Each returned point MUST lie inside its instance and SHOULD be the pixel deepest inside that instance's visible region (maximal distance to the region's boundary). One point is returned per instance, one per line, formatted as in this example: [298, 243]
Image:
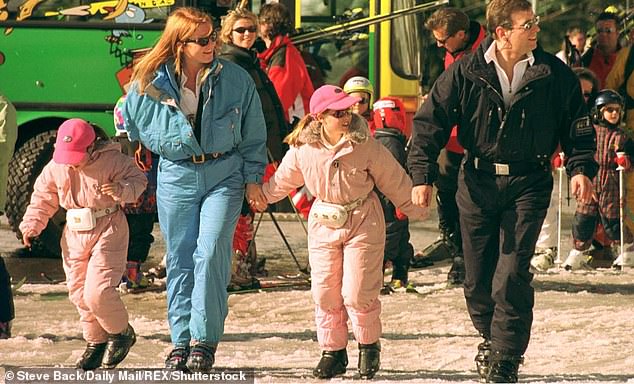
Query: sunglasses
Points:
[442, 41]
[364, 100]
[340, 114]
[612, 109]
[242, 30]
[606, 30]
[527, 26]
[203, 41]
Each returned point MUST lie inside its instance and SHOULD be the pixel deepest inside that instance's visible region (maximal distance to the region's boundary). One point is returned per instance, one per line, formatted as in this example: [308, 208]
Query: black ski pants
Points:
[500, 218]
[447, 186]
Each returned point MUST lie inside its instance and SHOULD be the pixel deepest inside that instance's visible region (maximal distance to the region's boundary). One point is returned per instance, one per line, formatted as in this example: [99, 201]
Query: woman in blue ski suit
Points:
[203, 116]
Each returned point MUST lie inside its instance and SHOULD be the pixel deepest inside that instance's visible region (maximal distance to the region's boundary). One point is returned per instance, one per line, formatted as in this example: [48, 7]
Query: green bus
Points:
[73, 58]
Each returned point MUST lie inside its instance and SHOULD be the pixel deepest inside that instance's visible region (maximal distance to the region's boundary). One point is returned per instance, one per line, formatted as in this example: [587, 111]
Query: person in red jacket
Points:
[283, 63]
[452, 30]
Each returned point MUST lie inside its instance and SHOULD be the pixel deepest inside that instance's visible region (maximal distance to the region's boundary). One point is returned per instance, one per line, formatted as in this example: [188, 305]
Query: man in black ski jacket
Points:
[514, 103]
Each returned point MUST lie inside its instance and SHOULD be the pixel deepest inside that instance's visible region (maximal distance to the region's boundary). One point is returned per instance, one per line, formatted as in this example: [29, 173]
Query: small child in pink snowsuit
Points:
[333, 153]
[91, 179]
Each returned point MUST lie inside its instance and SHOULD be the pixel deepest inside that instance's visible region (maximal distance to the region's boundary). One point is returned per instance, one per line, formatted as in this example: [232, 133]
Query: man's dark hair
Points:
[499, 13]
[278, 16]
[452, 20]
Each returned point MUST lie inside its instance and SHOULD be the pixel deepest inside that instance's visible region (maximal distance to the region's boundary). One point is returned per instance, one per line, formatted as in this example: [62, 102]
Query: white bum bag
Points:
[333, 215]
[85, 219]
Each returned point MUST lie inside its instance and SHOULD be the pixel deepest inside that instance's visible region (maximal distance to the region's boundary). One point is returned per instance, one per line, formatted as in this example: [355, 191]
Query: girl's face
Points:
[243, 33]
[611, 113]
[362, 106]
[199, 48]
[335, 123]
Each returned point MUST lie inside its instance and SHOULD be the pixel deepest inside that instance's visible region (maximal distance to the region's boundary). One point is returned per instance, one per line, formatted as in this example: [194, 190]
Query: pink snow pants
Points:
[94, 262]
[346, 271]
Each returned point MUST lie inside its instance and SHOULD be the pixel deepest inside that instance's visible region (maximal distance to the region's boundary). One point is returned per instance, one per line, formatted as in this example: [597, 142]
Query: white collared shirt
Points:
[189, 99]
[509, 88]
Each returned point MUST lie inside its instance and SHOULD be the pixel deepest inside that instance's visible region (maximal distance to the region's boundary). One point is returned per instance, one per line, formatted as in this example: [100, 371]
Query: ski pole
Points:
[560, 202]
[279, 230]
[621, 170]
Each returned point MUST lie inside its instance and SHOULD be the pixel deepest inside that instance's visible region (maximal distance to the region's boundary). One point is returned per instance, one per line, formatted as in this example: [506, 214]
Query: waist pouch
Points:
[85, 219]
[333, 215]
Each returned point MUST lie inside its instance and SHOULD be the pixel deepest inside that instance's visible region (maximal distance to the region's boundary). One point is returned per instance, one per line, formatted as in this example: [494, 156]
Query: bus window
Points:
[405, 37]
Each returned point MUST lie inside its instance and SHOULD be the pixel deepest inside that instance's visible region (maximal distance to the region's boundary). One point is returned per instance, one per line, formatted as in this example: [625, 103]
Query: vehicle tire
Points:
[24, 168]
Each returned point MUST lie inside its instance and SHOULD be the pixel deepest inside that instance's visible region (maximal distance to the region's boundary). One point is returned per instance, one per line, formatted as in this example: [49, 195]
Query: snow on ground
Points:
[582, 331]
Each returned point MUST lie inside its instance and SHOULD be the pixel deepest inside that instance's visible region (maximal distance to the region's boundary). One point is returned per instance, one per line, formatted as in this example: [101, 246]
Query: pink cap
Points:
[73, 138]
[331, 97]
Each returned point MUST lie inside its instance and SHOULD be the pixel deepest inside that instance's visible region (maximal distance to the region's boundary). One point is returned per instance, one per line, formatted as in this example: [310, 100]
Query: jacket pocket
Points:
[226, 129]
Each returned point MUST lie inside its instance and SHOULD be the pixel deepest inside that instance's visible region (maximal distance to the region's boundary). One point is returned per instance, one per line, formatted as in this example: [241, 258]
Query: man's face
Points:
[452, 43]
[522, 34]
[607, 35]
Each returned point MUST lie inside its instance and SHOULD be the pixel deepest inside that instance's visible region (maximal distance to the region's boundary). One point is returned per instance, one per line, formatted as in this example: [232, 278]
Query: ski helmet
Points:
[119, 124]
[359, 84]
[605, 97]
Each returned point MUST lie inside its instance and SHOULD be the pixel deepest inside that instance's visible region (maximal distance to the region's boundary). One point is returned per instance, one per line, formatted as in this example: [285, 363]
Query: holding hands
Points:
[256, 197]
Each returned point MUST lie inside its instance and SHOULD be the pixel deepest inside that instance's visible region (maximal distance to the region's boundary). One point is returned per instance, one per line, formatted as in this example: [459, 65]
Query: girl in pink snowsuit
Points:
[93, 175]
[333, 154]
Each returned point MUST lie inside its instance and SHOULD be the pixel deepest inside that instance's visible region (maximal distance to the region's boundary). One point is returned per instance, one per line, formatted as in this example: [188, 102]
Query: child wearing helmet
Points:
[333, 154]
[359, 86]
[613, 150]
[389, 119]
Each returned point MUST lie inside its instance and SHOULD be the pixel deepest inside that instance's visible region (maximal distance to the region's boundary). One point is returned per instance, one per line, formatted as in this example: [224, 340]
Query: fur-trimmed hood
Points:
[358, 132]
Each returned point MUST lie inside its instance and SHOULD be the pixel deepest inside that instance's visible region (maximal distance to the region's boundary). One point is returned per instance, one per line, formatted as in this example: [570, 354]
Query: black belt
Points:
[206, 156]
[509, 169]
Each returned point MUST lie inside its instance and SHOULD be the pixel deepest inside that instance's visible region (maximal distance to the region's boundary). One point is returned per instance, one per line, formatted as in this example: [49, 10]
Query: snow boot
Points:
[369, 360]
[483, 359]
[92, 357]
[456, 274]
[118, 347]
[577, 260]
[5, 329]
[134, 278]
[544, 259]
[504, 367]
[331, 364]
[177, 359]
[201, 358]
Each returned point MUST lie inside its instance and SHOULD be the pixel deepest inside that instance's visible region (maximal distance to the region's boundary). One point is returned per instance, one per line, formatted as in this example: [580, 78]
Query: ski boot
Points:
[201, 358]
[134, 278]
[177, 359]
[118, 347]
[577, 260]
[504, 367]
[483, 359]
[544, 259]
[5, 329]
[456, 274]
[92, 357]
[369, 360]
[331, 364]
